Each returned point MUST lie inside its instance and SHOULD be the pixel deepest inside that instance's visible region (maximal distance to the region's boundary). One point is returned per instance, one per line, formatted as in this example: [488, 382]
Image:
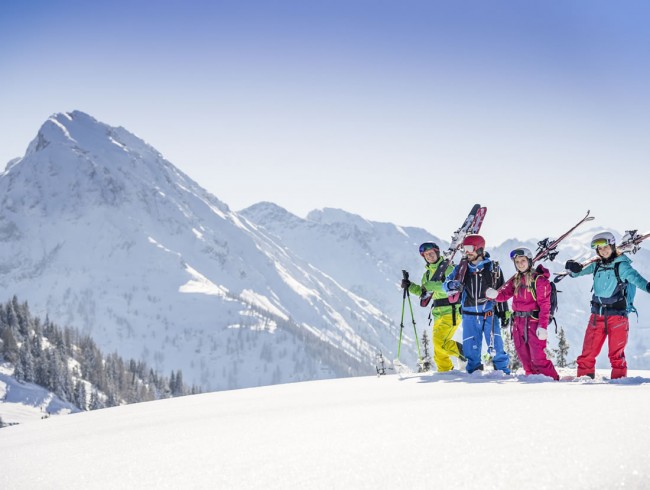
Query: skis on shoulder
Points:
[472, 224]
[631, 244]
[547, 249]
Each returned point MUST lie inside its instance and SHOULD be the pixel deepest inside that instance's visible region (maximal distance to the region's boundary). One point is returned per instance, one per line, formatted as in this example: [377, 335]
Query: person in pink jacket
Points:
[530, 291]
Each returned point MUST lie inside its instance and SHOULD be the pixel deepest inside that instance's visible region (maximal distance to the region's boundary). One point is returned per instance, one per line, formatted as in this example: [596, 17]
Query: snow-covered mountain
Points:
[363, 256]
[98, 231]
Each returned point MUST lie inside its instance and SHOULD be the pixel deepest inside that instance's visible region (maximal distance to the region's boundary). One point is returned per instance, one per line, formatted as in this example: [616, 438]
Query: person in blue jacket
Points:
[481, 316]
[615, 282]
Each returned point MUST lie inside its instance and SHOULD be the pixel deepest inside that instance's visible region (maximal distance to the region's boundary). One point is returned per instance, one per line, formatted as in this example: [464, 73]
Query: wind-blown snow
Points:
[452, 431]
[201, 284]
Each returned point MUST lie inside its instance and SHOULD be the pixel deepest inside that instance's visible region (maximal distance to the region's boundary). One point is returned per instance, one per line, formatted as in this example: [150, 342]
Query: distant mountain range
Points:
[99, 231]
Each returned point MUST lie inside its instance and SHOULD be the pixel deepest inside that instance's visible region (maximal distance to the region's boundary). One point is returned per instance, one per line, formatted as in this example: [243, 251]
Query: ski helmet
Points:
[429, 246]
[522, 252]
[603, 238]
[475, 241]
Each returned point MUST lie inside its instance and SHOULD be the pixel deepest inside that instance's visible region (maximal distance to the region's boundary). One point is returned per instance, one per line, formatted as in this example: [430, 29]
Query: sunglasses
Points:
[600, 242]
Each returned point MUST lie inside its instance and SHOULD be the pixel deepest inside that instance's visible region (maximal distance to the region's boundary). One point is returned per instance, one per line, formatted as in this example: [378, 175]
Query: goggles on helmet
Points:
[599, 242]
[428, 246]
[468, 249]
[521, 252]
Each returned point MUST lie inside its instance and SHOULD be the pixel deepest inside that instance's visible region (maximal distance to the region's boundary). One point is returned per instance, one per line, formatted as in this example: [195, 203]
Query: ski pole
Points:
[401, 323]
[491, 349]
[406, 295]
[415, 330]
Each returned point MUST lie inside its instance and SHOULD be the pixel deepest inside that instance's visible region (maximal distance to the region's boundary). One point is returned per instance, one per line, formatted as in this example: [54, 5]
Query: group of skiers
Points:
[477, 296]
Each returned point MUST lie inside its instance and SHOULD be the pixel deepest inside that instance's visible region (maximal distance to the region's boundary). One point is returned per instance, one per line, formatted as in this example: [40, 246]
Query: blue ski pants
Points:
[475, 327]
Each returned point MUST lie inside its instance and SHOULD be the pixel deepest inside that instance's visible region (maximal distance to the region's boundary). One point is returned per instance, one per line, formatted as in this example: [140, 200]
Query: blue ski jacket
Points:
[607, 292]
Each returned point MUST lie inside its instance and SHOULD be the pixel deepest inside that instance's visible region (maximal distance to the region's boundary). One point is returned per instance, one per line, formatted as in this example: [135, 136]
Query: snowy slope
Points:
[425, 431]
[366, 257]
[25, 402]
[97, 230]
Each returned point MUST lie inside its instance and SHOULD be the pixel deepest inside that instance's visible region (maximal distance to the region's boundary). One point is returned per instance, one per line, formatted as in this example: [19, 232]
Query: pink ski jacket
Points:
[538, 301]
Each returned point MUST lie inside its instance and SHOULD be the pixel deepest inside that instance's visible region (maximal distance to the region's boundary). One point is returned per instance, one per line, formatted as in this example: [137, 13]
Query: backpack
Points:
[626, 289]
[554, 291]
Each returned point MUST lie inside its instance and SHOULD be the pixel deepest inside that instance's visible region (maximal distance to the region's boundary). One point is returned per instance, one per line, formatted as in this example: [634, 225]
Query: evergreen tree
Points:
[509, 346]
[426, 356]
[9, 346]
[95, 401]
[25, 364]
[178, 388]
[41, 353]
[80, 395]
[562, 350]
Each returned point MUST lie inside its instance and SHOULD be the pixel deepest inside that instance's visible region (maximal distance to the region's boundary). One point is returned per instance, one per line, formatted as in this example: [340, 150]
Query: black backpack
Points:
[625, 290]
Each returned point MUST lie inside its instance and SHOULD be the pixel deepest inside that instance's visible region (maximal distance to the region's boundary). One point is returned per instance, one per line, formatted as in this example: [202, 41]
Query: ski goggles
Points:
[519, 252]
[469, 249]
[428, 246]
[599, 242]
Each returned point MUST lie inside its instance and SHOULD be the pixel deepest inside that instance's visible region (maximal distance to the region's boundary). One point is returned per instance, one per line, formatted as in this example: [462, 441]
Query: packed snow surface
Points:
[453, 430]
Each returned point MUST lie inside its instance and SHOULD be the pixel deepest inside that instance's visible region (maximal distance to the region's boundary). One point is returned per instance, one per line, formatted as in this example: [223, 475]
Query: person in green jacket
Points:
[446, 316]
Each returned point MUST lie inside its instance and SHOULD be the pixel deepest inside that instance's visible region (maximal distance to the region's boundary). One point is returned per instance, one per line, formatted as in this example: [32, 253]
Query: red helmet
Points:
[476, 241]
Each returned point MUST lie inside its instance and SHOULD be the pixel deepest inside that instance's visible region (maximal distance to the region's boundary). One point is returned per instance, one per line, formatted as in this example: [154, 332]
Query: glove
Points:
[491, 293]
[542, 333]
[405, 283]
[454, 286]
[573, 266]
[647, 287]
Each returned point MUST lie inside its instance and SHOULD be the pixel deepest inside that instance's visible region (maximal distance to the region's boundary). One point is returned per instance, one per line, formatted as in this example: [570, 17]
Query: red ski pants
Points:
[615, 329]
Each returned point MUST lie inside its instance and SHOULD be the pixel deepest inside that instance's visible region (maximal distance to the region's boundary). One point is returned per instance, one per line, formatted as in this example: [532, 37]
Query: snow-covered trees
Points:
[71, 365]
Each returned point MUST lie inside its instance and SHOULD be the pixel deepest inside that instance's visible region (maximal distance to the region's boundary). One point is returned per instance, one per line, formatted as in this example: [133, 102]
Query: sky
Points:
[406, 112]
[414, 431]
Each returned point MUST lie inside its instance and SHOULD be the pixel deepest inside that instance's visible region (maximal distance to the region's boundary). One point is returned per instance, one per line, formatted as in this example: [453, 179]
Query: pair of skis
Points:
[547, 249]
[631, 244]
[471, 225]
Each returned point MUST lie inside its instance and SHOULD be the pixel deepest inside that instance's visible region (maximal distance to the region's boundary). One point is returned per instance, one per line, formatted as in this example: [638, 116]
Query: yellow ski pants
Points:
[443, 343]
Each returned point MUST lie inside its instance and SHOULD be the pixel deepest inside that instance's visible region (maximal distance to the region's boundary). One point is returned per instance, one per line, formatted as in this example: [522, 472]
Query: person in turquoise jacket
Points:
[446, 316]
[615, 281]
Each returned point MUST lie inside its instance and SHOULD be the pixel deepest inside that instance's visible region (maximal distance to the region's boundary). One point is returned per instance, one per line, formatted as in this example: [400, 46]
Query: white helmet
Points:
[523, 252]
[603, 238]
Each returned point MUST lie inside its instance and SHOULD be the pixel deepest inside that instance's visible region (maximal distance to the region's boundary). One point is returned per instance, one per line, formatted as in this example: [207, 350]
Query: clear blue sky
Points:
[402, 111]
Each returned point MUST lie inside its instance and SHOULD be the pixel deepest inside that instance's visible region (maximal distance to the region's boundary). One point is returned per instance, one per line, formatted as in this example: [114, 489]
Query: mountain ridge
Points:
[99, 231]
